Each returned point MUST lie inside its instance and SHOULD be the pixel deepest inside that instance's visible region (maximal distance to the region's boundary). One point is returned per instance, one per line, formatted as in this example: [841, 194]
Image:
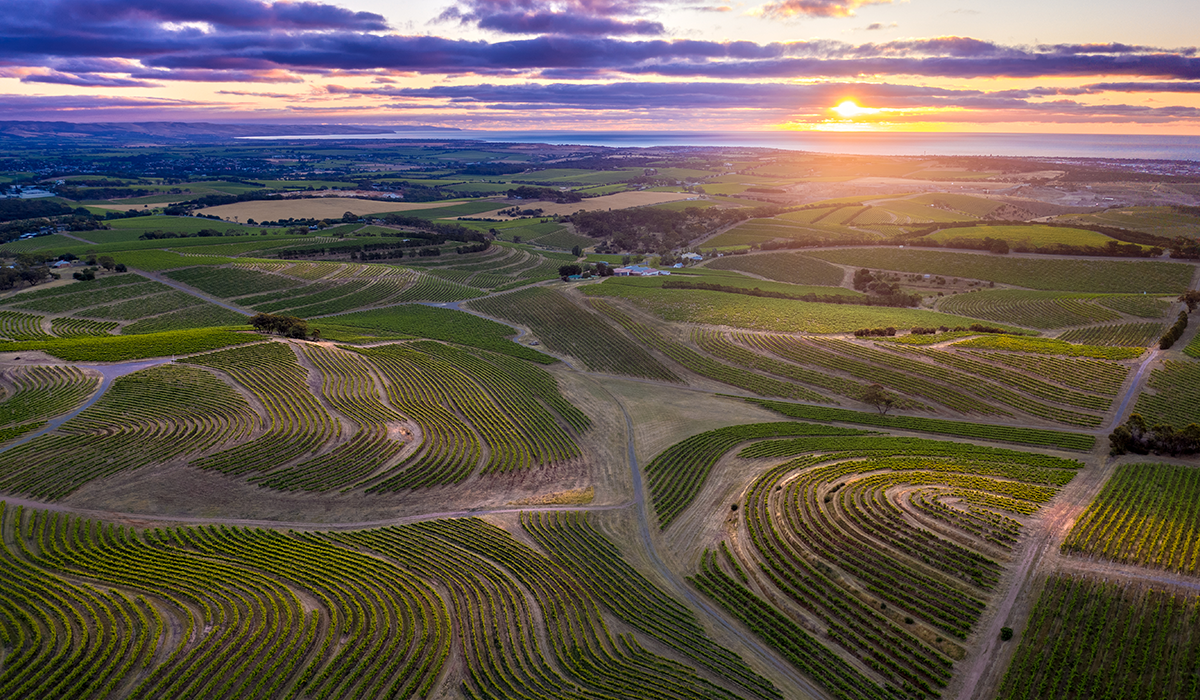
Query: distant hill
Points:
[182, 131]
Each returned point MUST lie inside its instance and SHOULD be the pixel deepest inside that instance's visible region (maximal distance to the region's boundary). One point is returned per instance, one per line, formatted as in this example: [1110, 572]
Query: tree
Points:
[569, 269]
[107, 262]
[880, 398]
[576, 251]
[1191, 297]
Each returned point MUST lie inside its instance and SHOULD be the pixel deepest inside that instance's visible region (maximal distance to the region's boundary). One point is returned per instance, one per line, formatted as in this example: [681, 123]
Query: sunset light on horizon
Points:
[658, 65]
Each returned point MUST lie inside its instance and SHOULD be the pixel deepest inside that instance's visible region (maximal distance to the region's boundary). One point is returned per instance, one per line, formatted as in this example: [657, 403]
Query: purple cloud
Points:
[567, 17]
[817, 8]
[97, 42]
[86, 80]
[84, 15]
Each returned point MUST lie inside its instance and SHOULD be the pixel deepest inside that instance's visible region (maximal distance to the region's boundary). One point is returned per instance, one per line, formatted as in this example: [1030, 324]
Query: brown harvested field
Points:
[620, 200]
[316, 208]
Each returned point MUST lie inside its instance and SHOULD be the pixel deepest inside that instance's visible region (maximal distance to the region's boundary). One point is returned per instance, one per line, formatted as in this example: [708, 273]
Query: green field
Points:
[1173, 395]
[793, 268]
[1160, 221]
[766, 314]
[1027, 236]
[456, 475]
[136, 347]
[442, 324]
[1102, 276]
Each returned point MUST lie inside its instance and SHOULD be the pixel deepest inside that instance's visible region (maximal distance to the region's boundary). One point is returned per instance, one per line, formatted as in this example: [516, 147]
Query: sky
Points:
[1023, 66]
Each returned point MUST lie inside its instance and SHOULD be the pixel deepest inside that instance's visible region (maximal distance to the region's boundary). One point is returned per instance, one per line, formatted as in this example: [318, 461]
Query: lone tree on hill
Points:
[880, 398]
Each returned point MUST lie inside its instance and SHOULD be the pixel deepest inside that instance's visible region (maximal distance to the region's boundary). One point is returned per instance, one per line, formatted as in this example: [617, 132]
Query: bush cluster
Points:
[1174, 332]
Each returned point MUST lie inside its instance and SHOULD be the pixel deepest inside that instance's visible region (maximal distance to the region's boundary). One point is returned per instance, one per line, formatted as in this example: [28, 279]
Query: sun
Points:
[849, 109]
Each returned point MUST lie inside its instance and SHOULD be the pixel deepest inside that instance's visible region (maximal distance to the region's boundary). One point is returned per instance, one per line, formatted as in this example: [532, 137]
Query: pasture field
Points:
[1146, 515]
[1089, 638]
[1064, 275]
[1174, 396]
[766, 314]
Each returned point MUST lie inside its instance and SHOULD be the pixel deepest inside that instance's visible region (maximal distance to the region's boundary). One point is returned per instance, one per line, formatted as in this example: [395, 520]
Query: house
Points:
[636, 271]
[694, 257]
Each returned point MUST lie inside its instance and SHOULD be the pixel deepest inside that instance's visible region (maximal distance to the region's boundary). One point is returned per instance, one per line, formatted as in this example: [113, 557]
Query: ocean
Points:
[1108, 146]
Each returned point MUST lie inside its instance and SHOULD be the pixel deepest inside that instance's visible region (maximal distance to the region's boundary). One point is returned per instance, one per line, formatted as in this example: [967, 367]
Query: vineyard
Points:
[1174, 396]
[1032, 309]
[1087, 276]
[91, 608]
[1147, 515]
[120, 303]
[784, 267]
[473, 411]
[891, 547]
[469, 478]
[566, 328]
[1088, 638]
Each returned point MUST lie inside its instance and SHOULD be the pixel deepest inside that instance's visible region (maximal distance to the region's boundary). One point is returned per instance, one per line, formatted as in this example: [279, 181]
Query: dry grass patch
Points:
[620, 200]
[572, 497]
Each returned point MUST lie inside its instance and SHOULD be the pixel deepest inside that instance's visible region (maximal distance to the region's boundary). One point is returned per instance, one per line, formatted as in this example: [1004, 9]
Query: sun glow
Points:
[850, 109]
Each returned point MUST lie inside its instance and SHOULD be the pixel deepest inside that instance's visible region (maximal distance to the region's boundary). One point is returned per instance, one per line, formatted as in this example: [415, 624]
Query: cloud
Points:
[816, 8]
[563, 17]
[99, 43]
[221, 76]
[85, 15]
[88, 80]
[721, 102]
[879, 26]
